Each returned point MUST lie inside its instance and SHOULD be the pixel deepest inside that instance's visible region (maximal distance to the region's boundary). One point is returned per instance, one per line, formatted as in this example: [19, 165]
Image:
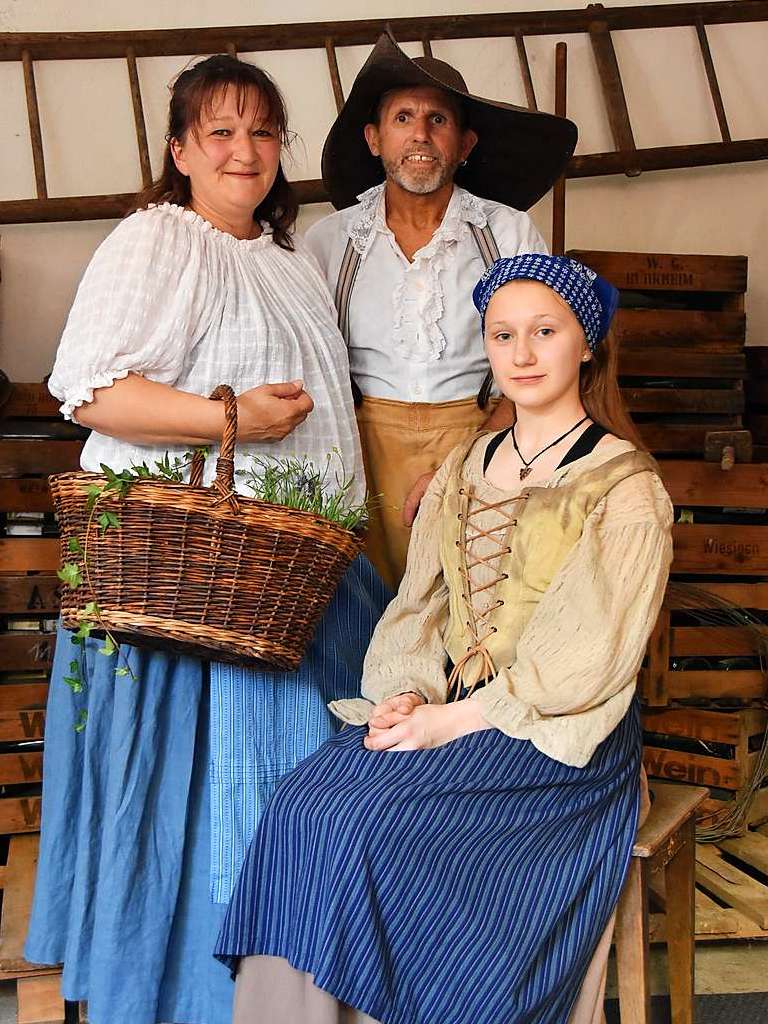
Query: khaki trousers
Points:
[402, 441]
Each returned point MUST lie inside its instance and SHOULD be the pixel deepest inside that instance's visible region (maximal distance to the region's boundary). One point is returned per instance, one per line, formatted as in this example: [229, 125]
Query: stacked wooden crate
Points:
[34, 442]
[684, 368]
[681, 329]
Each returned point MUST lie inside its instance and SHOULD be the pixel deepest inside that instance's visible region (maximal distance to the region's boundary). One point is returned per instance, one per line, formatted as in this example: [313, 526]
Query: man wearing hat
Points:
[429, 182]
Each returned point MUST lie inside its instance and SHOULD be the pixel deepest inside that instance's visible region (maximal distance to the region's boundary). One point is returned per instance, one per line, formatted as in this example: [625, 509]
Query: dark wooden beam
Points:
[138, 119]
[665, 158]
[612, 87]
[250, 38]
[525, 71]
[714, 85]
[33, 115]
[558, 191]
[333, 71]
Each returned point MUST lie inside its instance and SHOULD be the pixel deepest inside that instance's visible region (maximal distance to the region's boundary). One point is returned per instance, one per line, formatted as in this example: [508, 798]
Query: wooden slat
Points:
[426, 46]
[746, 685]
[671, 436]
[31, 400]
[19, 815]
[723, 641]
[22, 726]
[558, 191]
[732, 886]
[289, 36]
[38, 458]
[709, 726]
[681, 272]
[613, 90]
[33, 115]
[714, 86]
[14, 696]
[693, 483]
[40, 1000]
[697, 769]
[525, 71]
[17, 902]
[29, 495]
[21, 769]
[654, 681]
[26, 651]
[668, 363]
[664, 158]
[716, 548]
[711, 918]
[751, 848]
[685, 401]
[34, 594]
[747, 595]
[333, 71]
[138, 118]
[29, 554]
[705, 330]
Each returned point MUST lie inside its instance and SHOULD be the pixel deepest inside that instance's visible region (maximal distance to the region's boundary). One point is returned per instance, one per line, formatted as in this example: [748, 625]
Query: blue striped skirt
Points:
[471, 882]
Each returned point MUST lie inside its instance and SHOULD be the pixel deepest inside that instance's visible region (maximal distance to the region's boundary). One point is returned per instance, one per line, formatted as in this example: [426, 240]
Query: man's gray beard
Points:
[423, 184]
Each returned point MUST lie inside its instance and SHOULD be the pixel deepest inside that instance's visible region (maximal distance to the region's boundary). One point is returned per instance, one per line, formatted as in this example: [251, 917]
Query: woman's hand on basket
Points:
[271, 412]
[425, 726]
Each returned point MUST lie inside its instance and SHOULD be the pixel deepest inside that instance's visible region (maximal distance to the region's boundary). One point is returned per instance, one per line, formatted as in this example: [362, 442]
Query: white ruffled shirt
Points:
[414, 334]
[169, 296]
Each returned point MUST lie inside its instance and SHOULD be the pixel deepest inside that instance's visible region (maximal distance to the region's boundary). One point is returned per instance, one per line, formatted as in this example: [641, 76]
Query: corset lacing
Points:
[473, 565]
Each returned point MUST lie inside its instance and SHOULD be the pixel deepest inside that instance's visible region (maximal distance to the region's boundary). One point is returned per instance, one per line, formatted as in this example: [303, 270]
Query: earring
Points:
[585, 358]
[462, 163]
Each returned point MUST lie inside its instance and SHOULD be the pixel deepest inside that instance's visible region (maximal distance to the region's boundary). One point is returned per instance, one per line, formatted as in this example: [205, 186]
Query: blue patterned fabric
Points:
[470, 882]
[123, 888]
[263, 724]
[592, 299]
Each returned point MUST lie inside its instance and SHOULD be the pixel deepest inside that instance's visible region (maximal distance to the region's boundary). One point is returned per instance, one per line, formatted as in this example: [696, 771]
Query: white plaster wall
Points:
[90, 147]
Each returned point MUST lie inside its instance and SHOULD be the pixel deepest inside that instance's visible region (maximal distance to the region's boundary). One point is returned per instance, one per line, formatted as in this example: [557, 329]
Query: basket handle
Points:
[225, 464]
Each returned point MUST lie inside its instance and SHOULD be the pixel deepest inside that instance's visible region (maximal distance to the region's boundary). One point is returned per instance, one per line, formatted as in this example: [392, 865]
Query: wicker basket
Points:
[202, 570]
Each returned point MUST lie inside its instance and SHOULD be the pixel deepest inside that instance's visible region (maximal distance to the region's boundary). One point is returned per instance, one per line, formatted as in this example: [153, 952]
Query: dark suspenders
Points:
[350, 264]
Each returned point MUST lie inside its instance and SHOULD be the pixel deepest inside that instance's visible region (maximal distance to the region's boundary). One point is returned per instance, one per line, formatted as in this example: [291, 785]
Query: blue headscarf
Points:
[592, 299]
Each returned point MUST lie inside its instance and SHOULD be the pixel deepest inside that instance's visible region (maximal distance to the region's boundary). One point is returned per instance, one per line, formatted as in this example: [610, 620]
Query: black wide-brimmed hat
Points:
[519, 155]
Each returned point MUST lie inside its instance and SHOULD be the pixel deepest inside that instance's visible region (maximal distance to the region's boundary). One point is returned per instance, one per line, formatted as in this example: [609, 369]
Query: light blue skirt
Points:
[129, 851]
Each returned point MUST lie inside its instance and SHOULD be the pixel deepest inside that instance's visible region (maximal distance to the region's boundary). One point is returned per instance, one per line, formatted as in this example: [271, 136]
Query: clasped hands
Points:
[407, 722]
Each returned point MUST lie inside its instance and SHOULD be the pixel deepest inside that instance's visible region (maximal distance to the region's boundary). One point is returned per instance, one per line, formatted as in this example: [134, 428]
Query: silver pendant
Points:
[524, 472]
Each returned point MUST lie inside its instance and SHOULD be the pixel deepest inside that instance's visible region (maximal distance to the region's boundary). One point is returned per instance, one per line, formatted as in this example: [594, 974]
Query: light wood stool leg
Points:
[679, 875]
[632, 947]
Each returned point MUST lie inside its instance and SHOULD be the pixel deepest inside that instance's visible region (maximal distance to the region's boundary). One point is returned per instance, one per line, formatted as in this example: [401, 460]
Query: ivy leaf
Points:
[91, 610]
[74, 546]
[122, 671]
[83, 633]
[94, 493]
[107, 520]
[109, 646]
[82, 720]
[74, 683]
[70, 574]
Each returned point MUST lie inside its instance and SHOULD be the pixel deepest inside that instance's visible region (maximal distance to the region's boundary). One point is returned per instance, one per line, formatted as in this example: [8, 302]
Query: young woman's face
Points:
[535, 345]
[232, 156]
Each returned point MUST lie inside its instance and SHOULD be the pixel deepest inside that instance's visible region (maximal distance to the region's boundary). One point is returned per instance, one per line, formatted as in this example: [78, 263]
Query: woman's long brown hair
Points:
[191, 95]
[599, 392]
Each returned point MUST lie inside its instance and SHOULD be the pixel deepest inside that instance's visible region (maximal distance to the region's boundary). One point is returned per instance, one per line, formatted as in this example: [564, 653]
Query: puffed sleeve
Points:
[578, 658]
[406, 652]
[514, 231]
[137, 309]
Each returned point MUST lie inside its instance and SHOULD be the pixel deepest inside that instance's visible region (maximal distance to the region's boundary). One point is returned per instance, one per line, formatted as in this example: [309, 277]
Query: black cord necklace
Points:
[527, 465]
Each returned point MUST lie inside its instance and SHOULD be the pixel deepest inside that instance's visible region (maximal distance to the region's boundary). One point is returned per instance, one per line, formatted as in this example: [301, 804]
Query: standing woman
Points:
[147, 810]
[458, 858]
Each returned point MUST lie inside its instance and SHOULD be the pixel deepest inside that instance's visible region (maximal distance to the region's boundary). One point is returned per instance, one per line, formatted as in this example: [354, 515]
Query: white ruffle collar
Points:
[417, 312]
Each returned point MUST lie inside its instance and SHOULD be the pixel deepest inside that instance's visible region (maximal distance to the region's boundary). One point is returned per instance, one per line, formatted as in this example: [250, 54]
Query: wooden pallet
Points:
[681, 331]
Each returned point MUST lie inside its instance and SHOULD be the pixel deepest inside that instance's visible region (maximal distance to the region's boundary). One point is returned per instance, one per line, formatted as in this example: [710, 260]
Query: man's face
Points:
[419, 138]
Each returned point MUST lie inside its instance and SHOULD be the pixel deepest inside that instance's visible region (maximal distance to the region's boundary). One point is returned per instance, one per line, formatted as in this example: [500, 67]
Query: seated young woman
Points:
[458, 854]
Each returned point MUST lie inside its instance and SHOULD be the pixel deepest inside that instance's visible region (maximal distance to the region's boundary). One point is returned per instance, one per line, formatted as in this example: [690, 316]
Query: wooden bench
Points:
[665, 846]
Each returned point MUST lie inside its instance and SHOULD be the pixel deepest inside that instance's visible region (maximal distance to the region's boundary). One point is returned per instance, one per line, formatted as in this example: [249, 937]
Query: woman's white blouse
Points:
[172, 298]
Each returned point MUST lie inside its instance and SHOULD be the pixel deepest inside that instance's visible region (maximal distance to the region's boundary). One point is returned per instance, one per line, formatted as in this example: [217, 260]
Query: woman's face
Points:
[232, 156]
[535, 345]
